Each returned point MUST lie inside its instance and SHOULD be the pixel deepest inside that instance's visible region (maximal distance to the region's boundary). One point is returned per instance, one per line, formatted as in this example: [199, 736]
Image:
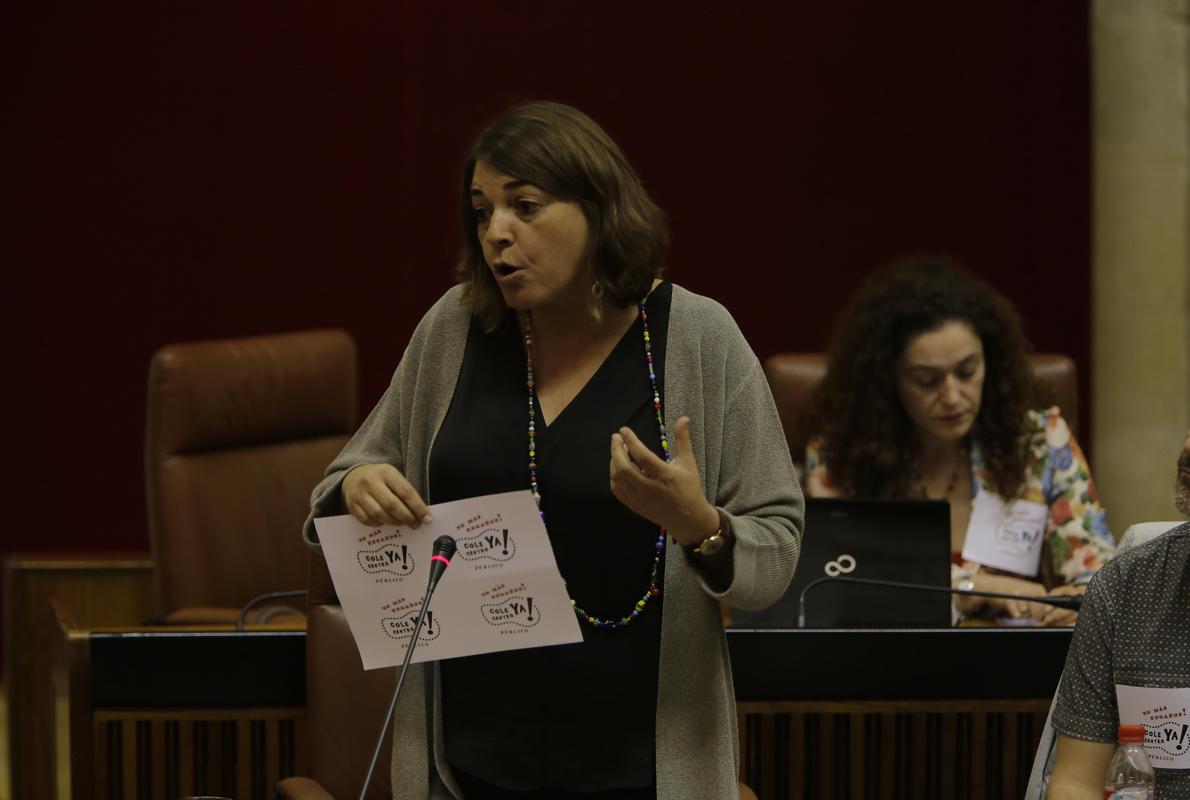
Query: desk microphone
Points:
[444, 550]
[1070, 602]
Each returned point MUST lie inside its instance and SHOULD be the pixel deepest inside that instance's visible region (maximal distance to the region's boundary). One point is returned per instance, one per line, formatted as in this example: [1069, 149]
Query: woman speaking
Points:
[640, 420]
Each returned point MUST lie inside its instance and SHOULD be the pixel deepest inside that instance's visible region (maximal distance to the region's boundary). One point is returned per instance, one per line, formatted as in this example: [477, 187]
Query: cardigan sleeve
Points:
[759, 491]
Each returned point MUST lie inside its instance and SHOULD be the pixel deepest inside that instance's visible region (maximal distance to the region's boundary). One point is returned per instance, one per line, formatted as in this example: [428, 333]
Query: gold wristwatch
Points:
[711, 545]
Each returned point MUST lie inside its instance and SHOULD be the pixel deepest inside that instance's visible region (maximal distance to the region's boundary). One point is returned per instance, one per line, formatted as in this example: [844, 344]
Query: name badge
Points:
[1163, 712]
[1006, 536]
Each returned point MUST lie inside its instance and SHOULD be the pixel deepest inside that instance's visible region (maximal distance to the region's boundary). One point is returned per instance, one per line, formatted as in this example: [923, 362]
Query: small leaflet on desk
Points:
[1005, 536]
[502, 590]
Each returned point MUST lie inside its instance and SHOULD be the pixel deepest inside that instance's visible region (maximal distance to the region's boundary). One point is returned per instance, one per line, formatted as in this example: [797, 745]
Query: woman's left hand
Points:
[668, 494]
[1062, 617]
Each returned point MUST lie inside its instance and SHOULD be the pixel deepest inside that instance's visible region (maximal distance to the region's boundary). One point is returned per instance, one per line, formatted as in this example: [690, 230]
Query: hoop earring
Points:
[597, 290]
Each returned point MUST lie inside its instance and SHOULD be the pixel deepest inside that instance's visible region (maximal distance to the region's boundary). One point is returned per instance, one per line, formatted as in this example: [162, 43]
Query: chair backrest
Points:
[793, 377]
[238, 433]
[345, 707]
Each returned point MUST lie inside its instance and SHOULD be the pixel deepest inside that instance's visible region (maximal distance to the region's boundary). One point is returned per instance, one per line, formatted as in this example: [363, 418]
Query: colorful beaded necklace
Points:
[654, 590]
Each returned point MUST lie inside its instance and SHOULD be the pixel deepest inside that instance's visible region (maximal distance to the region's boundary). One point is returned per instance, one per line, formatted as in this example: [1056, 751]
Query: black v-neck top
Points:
[577, 717]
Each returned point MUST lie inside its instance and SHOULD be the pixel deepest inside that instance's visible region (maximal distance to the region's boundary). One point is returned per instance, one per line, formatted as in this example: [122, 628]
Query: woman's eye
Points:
[926, 383]
[481, 215]
[527, 207]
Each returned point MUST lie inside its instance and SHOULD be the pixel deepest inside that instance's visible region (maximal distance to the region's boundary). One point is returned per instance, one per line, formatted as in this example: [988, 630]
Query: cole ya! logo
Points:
[1170, 738]
[392, 558]
[493, 544]
[519, 611]
[1017, 536]
[401, 628]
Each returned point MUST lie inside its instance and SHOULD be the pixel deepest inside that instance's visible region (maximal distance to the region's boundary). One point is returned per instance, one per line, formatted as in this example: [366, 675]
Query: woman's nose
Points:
[499, 230]
[950, 390]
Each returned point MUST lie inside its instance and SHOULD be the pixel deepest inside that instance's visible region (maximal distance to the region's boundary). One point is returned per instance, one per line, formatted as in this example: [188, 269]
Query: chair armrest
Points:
[301, 789]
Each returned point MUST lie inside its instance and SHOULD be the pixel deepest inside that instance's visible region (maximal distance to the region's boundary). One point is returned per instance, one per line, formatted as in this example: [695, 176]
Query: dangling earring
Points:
[597, 290]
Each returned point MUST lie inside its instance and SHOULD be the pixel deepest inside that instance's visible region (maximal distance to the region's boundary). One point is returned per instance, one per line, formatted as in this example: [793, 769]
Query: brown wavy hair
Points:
[868, 442]
[563, 151]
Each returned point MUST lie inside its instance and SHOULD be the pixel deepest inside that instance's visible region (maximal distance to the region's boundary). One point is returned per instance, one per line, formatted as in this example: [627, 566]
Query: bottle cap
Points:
[1131, 733]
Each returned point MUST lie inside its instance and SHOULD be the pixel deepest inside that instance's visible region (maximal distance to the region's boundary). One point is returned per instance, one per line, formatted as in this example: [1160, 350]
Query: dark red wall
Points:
[209, 169]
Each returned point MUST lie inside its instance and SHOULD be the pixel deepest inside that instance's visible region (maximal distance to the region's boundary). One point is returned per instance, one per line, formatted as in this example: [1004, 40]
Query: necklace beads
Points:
[954, 477]
[659, 546]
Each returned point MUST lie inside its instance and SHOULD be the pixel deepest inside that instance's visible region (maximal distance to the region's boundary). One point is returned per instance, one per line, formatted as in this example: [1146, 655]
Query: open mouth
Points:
[504, 270]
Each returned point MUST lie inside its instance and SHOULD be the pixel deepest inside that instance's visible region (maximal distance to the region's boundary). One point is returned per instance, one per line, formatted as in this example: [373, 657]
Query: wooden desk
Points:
[164, 712]
[823, 714]
[884, 714]
[106, 589]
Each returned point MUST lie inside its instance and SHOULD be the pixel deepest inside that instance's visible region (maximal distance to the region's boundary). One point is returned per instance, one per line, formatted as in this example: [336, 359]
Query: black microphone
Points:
[1071, 602]
[444, 550]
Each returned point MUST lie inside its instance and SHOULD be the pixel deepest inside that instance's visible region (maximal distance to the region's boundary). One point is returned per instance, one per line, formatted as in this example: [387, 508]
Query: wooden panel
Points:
[893, 750]
[109, 589]
[164, 712]
[177, 752]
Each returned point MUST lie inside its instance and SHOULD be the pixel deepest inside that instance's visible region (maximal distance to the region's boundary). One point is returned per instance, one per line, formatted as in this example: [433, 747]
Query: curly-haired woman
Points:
[928, 393]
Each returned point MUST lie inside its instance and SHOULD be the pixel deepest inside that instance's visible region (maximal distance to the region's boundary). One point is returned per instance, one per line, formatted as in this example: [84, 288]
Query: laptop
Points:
[907, 541]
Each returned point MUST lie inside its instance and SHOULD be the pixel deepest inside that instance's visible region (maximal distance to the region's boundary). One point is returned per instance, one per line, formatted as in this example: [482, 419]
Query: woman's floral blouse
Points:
[1057, 476]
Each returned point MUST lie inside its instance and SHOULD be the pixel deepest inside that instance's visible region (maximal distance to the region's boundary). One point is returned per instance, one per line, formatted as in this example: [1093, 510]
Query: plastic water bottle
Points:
[1129, 776]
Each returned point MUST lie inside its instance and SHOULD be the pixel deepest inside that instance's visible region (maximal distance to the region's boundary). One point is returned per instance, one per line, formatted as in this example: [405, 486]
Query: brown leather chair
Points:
[345, 707]
[238, 433]
[793, 377]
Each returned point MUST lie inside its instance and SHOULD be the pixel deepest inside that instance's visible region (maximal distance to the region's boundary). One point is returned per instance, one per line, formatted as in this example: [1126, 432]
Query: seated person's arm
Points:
[1078, 769]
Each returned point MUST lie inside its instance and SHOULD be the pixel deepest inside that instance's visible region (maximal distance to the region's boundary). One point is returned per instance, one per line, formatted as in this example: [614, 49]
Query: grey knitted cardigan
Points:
[712, 376]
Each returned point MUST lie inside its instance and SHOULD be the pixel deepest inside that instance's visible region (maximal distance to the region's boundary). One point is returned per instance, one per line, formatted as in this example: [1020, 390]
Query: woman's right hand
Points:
[378, 494]
[1007, 584]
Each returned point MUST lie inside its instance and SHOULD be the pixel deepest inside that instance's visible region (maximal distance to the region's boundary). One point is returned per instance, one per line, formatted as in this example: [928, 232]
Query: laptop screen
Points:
[907, 541]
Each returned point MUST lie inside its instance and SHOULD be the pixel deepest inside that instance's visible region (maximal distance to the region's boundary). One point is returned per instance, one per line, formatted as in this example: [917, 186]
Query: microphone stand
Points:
[444, 548]
[1073, 603]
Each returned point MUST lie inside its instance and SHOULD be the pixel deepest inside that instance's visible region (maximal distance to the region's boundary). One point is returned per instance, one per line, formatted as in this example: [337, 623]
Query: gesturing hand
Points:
[378, 494]
[668, 494]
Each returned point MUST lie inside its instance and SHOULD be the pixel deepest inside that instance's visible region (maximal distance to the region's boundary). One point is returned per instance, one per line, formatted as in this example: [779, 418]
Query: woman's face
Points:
[940, 379]
[534, 243]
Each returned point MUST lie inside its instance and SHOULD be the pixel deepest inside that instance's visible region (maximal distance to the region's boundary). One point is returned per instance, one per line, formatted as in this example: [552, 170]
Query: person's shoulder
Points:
[1170, 549]
[454, 301]
[1043, 418]
[1049, 426]
[451, 308]
[1176, 539]
[445, 323]
[691, 301]
[697, 317]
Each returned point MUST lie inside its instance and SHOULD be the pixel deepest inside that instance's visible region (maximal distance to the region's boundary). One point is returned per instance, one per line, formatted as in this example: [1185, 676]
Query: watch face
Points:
[710, 545]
